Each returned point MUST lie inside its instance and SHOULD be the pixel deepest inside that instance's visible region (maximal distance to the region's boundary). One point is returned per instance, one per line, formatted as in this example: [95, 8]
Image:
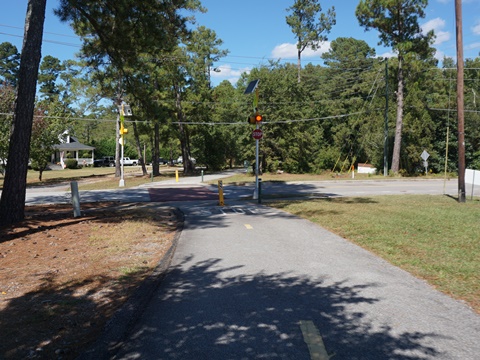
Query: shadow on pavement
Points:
[203, 313]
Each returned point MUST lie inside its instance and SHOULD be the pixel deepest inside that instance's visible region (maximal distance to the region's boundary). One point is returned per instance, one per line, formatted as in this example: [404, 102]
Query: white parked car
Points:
[180, 160]
[129, 162]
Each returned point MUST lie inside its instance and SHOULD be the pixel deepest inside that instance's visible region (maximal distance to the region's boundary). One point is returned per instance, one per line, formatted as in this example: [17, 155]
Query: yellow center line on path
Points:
[314, 340]
[249, 227]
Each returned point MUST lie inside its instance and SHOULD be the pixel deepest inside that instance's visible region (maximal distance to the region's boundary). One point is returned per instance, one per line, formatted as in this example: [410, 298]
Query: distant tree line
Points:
[316, 117]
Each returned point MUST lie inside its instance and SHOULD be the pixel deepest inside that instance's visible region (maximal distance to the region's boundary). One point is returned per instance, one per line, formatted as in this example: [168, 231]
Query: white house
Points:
[70, 149]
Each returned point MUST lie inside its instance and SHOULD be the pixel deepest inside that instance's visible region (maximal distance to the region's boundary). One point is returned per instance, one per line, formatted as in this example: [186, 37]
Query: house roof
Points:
[72, 144]
[72, 147]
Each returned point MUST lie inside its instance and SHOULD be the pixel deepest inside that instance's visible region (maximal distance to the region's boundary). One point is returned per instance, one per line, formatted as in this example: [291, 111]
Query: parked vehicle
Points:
[104, 161]
[129, 162]
[162, 161]
[180, 160]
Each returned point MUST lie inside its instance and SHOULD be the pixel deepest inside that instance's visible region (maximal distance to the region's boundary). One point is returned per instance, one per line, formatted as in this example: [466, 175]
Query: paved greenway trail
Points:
[251, 282]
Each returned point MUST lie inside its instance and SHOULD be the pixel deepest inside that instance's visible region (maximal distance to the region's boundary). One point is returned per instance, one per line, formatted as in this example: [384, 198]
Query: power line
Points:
[45, 32]
[45, 40]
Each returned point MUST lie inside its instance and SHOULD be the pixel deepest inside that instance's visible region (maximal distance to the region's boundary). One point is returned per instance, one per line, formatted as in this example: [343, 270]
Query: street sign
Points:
[425, 155]
[257, 134]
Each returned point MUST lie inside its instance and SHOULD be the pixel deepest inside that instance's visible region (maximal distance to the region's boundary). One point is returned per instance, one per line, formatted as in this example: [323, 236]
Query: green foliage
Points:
[309, 30]
[9, 64]
[333, 118]
[45, 134]
[50, 69]
[7, 98]
[71, 164]
[141, 27]
[104, 147]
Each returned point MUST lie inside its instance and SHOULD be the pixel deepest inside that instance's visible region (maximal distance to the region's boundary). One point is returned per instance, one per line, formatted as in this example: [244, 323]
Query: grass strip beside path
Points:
[432, 237]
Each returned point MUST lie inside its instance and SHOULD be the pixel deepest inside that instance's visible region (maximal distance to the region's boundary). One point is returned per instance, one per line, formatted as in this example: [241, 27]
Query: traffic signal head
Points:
[255, 118]
[123, 130]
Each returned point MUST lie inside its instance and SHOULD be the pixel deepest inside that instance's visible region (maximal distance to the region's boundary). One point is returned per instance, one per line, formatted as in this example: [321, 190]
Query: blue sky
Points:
[255, 31]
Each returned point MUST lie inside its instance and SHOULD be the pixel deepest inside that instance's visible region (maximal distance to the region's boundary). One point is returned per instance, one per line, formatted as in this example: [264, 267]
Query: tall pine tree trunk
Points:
[188, 167]
[398, 128]
[299, 64]
[141, 160]
[156, 150]
[12, 202]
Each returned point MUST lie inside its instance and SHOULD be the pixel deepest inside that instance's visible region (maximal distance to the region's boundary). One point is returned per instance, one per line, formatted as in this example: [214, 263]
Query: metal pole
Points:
[122, 180]
[255, 193]
[259, 191]
[385, 135]
[460, 103]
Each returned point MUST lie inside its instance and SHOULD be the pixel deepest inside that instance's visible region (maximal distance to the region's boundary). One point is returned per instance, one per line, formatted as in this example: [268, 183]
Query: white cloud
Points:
[387, 54]
[225, 72]
[284, 50]
[472, 46]
[476, 29]
[289, 51]
[436, 25]
[439, 55]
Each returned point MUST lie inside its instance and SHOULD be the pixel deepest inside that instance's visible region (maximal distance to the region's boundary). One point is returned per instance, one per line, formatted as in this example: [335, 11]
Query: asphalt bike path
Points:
[251, 282]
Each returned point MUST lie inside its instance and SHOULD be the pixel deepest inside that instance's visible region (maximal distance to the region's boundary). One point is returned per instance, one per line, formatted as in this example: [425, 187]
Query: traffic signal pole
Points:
[122, 178]
[257, 150]
[122, 145]
[124, 110]
[256, 118]
[460, 103]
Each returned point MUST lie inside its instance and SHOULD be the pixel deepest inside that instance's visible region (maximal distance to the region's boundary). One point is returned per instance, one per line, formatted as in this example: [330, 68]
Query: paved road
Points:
[250, 282]
[171, 191]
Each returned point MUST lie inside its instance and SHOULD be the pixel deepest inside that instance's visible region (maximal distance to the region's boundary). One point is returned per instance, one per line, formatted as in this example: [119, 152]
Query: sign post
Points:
[425, 155]
[257, 133]
[123, 111]
[221, 200]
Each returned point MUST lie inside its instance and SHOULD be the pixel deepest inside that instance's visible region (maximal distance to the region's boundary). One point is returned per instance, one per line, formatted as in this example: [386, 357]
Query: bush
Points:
[71, 164]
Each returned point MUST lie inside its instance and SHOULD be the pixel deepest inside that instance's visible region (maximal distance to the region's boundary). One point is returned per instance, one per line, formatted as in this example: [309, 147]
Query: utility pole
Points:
[385, 136]
[460, 102]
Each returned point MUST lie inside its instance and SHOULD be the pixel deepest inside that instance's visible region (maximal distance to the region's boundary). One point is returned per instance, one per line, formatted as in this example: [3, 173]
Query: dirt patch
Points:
[62, 278]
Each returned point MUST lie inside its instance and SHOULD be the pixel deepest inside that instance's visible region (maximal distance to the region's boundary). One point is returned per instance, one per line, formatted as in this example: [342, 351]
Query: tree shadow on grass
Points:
[204, 311]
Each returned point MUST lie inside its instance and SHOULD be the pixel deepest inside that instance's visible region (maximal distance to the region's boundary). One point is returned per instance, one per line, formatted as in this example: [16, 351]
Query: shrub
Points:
[71, 164]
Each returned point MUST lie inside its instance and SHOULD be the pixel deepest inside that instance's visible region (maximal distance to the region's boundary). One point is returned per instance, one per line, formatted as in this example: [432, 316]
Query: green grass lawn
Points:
[285, 177]
[95, 178]
[432, 237]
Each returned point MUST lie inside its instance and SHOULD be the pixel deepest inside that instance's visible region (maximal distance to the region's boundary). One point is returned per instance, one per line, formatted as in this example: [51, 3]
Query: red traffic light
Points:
[258, 118]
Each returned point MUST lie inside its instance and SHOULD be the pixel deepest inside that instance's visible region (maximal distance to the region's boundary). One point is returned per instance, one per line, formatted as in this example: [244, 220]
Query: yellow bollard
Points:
[176, 175]
[220, 193]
